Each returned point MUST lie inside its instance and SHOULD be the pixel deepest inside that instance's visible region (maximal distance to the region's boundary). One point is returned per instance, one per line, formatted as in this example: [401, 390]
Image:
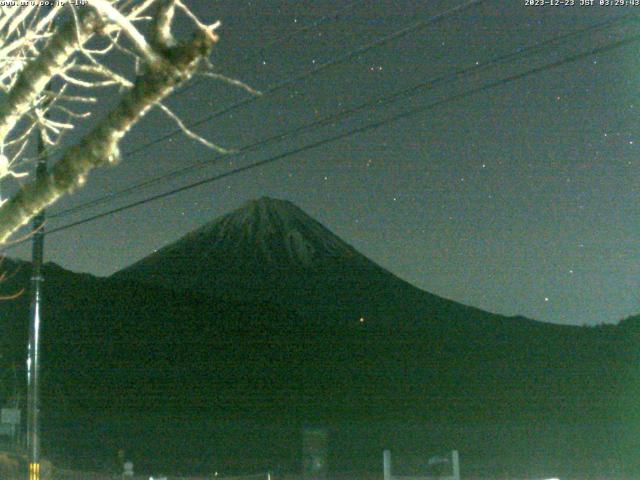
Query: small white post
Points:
[386, 464]
[128, 469]
[455, 463]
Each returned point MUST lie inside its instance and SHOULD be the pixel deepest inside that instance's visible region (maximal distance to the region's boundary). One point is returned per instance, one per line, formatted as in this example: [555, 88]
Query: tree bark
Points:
[100, 146]
[35, 76]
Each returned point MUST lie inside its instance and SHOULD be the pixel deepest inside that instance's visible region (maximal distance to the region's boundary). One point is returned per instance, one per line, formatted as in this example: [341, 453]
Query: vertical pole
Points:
[33, 360]
[455, 462]
[386, 464]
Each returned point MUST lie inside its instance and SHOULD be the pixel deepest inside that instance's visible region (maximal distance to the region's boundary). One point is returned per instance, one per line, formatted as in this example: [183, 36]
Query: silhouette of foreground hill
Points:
[214, 352]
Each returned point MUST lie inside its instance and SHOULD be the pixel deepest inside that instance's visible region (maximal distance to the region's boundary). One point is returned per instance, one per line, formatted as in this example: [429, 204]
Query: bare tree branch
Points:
[233, 82]
[191, 134]
[101, 145]
[161, 28]
[34, 77]
[113, 15]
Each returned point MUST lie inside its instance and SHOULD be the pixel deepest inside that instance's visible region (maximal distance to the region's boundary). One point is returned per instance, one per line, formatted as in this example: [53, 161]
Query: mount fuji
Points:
[264, 316]
[271, 251]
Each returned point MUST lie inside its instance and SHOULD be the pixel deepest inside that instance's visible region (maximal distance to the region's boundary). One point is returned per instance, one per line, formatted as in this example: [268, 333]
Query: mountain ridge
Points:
[303, 241]
[328, 341]
[271, 249]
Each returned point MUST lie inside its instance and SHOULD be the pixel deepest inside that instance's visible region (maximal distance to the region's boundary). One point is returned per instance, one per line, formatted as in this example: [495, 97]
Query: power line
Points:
[327, 18]
[362, 129]
[247, 56]
[291, 80]
[323, 66]
[377, 102]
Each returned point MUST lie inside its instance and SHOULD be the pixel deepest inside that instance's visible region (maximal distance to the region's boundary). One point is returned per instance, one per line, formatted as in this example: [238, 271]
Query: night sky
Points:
[521, 199]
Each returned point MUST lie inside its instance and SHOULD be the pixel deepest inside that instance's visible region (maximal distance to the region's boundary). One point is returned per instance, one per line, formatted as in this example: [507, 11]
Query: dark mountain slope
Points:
[256, 318]
[424, 348]
[270, 250]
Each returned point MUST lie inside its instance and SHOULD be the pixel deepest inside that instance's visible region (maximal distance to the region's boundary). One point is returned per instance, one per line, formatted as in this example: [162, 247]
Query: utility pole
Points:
[33, 359]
